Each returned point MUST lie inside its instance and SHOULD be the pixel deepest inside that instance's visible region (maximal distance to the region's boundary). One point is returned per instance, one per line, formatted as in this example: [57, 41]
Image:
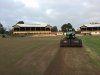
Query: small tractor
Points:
[70, 40]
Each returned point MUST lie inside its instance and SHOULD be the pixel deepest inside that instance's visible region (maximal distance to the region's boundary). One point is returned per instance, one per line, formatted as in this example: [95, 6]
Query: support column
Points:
[97, 28]
[40, 30]
[92, 29]
[30, 28]
[25, 31]
[45, 31]
[19, 32]
[19, 28]
[35, 30]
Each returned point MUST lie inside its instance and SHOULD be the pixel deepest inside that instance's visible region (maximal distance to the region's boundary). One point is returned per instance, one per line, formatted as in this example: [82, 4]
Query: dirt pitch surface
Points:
[43, 56]
[72, 61]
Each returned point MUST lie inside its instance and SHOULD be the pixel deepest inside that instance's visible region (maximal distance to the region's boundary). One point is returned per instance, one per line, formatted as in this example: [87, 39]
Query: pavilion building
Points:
[91, 29]
[35, 29]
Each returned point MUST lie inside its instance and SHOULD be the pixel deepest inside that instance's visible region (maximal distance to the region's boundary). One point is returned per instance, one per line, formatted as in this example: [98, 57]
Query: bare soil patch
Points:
[72, 61]
[43, 56]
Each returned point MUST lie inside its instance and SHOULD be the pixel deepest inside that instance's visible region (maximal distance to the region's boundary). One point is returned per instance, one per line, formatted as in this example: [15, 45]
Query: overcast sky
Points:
[54, 12]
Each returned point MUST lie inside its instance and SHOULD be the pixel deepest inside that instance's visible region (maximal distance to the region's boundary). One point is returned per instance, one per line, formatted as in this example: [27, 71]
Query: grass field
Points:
[34, 56]
[93, 47]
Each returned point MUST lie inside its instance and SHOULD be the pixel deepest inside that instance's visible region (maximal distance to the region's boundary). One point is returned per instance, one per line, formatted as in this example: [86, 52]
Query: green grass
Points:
[92, 44]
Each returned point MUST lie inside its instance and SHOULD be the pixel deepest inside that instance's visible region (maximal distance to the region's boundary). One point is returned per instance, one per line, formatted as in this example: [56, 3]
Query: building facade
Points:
[36, 29]
[90, 29]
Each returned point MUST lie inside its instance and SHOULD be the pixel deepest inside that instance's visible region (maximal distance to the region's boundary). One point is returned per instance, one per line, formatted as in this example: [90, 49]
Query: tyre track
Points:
[72, 61]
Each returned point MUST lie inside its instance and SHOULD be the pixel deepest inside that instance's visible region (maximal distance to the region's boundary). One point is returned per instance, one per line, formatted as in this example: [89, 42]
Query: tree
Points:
[20, 22]
[65, 27]
[54, 29]
[10, 32]
[2, 29]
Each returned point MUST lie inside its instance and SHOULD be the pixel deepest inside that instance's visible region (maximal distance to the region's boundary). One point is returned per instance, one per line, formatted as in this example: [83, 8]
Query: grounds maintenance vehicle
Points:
[70, 40]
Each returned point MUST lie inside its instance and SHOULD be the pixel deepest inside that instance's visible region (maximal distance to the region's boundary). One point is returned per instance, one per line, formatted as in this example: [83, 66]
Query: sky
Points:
[54, 12]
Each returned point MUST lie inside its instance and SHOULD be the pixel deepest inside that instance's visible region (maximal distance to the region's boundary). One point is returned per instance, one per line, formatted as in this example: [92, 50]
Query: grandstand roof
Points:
[91, 25]
[32, 25]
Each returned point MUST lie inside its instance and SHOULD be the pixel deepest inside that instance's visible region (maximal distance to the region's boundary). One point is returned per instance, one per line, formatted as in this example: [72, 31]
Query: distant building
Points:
[35, 29]
[91, 29]
[60, 33]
